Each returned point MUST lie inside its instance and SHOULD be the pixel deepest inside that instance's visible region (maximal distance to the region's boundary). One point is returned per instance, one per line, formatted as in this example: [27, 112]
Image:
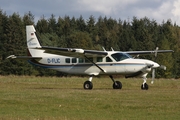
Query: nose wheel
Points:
[145, 86]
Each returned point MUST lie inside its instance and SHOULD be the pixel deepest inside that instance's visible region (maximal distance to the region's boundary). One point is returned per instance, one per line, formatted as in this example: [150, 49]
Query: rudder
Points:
[32, 41]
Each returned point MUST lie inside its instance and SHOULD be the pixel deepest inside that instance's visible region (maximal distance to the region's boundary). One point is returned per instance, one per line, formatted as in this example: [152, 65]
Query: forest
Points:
[92, 33]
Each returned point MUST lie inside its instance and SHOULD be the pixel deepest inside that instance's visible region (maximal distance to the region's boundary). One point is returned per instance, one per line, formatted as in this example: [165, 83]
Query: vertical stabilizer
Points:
[32, 41]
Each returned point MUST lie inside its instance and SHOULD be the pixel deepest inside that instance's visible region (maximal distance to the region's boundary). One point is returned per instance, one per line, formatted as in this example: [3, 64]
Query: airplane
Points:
[79, 61]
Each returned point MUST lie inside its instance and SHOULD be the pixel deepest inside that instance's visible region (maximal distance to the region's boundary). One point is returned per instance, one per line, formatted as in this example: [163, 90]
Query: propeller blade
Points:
[156, 51]
[153, 70]
[163, 67]
[153, 76]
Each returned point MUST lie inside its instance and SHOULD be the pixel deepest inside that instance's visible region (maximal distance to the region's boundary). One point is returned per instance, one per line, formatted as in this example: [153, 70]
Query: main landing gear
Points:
[116, 84]
[88, 84]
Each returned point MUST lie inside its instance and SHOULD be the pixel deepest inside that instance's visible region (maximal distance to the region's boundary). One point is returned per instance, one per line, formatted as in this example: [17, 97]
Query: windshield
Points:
[120, 56]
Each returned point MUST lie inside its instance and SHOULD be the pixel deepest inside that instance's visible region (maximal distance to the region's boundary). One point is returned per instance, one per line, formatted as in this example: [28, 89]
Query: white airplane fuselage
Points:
[73, 65]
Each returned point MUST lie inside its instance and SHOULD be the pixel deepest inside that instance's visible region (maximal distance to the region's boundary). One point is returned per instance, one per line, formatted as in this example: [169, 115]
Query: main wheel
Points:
[145, 86]
[117, 85]
[88, 85]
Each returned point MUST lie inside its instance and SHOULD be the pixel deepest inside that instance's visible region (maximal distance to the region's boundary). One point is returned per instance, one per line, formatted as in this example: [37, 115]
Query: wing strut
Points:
[95, 64]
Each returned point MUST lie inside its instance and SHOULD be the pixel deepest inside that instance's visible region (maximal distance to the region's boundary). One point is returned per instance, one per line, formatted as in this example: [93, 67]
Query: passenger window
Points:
[99, 59]
[81, 60]
[67, 60]
[87, 60]
[108, 59]
[74, 60]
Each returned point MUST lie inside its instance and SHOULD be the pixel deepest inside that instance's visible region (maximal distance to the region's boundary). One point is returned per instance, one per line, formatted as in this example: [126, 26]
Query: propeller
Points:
[153, 70]
[161, 66]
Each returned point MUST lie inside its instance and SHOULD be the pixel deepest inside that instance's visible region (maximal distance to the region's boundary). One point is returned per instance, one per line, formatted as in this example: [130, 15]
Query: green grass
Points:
[51, 98]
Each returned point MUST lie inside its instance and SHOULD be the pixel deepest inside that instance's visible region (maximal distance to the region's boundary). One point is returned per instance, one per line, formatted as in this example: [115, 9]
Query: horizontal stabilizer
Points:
[22, 57]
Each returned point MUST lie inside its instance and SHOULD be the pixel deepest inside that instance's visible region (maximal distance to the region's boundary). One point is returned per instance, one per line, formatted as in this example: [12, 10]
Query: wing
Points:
[73, 52]
[147, 52]
[76, 52]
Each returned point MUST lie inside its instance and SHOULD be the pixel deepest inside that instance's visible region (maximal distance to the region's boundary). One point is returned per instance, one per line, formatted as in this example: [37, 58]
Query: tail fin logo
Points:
[30, 43]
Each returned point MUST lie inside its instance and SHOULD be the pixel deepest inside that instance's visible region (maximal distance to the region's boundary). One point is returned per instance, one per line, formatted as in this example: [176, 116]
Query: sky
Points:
[158, 10]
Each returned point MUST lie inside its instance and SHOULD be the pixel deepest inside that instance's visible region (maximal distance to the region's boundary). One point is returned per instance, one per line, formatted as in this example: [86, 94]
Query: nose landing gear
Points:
[144, 86]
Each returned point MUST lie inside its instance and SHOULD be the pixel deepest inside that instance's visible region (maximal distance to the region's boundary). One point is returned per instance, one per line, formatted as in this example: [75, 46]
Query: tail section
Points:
[32, 41]
[33, 45]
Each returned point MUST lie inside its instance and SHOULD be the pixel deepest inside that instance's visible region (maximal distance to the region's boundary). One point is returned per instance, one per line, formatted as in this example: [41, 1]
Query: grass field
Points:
[51, 98]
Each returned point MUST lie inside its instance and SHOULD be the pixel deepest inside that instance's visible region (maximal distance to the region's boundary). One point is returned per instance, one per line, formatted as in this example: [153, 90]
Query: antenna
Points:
[112, 49]
[103, 48]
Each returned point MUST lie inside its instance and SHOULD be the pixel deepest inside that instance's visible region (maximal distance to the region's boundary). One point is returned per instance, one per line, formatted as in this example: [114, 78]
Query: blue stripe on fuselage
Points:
[35, 63]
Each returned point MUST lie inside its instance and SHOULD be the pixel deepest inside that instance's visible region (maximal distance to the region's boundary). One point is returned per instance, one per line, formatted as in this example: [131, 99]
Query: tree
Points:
[52, 24]
[102, 32]
[81, 24]
[28, 19]
[79, 39]
[126, 37]
[42, 25]
[14, 44]
[92, 29]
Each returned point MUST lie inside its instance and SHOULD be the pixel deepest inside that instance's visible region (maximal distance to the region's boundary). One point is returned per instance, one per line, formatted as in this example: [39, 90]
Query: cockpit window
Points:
[120, 56]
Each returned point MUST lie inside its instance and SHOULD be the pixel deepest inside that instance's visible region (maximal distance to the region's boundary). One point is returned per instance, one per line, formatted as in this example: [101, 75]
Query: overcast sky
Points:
[158, 10]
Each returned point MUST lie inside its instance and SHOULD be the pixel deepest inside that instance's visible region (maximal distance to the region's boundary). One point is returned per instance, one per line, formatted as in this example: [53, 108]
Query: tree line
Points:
[92, 33]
